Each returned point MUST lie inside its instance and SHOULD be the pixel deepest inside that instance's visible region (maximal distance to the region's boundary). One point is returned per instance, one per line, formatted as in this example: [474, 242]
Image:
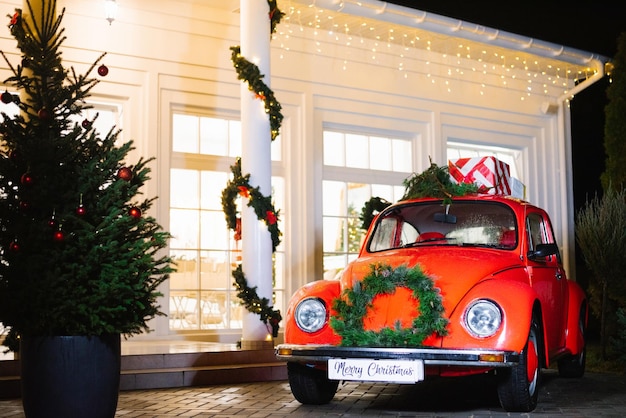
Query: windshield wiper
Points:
[427, 242]
[482, 245]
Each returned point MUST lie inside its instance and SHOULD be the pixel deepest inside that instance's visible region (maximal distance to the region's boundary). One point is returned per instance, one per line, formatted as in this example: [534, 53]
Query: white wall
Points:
[176, 53]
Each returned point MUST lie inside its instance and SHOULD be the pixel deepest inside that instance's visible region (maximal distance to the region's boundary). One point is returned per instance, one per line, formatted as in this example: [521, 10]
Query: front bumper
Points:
[430, 356]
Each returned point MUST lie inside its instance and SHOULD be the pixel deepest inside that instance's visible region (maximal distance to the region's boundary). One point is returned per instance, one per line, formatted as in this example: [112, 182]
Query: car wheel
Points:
[574, 365]
[518, 388]
[310, 386]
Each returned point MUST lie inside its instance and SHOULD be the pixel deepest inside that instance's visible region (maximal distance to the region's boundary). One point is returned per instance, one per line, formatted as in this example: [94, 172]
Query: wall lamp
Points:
[110, 10]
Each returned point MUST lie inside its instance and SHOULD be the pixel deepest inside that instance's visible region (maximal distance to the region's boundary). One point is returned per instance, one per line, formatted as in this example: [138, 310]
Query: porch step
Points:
[155, 371]
[9, 379]
[170, 370]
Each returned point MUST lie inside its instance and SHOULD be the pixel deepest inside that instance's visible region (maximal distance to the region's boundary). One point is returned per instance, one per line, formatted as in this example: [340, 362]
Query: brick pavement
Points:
[595, 395]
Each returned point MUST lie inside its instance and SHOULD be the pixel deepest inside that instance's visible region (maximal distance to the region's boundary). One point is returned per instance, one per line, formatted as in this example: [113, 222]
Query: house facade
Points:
[370, 93]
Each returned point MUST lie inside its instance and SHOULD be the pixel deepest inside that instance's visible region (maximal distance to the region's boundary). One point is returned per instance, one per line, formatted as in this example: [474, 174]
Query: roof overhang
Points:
[552, 70]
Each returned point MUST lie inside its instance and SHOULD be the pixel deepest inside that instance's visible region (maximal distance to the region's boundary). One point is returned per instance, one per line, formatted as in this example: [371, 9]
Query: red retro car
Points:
[442, 288]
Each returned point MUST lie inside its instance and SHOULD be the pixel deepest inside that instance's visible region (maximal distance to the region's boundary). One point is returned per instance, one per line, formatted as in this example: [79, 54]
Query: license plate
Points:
[391, 371]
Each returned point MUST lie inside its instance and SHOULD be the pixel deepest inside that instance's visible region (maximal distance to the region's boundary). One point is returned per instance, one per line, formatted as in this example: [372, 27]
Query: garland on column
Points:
[251, 74]
[240, 185]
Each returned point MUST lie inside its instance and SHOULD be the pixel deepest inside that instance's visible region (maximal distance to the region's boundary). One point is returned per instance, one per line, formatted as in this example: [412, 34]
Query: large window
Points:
[356, 168]
[202, 295]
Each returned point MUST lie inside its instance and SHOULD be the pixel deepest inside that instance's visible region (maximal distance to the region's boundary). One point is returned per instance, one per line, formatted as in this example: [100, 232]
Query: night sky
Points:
[593, 27]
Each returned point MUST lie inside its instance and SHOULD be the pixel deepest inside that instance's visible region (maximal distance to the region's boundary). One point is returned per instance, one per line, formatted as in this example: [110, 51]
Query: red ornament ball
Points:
[14, 246]
[24, 205]
[103, 70]
[52, 223]
[6, 97]
[80, 211]
[135, 212]
[27, 179]
[43, 114]
[125, 173]
[86, 124]
[58, 236]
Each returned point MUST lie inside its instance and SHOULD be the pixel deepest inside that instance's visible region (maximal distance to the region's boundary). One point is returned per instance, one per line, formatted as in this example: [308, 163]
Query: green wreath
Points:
[352, 307]
[371, 208]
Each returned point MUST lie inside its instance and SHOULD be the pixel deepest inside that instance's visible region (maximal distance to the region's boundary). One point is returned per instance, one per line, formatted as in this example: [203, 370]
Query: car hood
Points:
[454, 270]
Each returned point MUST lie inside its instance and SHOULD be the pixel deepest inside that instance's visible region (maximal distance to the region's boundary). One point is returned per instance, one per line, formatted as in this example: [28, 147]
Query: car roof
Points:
[508, 200]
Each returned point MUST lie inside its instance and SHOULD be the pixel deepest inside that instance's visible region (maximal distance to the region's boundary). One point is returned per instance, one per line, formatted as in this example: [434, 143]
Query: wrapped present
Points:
[518, 189]
[491, 175]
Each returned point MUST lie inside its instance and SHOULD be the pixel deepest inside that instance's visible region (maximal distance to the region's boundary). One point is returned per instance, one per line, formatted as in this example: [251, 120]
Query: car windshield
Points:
[471, 223]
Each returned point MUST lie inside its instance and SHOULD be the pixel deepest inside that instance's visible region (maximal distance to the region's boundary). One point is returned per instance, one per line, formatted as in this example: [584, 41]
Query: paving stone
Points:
[594, 395]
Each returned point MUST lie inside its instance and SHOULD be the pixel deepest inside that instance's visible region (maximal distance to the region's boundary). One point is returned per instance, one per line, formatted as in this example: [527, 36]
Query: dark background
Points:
[593, 27]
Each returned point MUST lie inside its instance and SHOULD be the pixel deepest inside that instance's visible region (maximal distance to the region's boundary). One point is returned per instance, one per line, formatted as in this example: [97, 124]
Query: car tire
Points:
[310, 386]
[573, 366]
[518, 387]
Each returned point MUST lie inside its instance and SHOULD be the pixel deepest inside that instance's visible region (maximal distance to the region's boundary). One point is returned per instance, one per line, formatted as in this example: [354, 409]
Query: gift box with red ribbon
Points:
[491, 175]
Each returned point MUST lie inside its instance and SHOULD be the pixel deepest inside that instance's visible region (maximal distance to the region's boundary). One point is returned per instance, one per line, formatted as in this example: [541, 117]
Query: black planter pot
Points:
[70, 376]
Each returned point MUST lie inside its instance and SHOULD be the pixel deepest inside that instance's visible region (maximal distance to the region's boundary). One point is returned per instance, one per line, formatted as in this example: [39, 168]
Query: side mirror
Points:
[543, 250]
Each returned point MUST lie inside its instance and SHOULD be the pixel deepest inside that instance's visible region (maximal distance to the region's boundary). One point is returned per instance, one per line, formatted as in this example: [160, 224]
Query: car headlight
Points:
[483, 318]
[310, 314]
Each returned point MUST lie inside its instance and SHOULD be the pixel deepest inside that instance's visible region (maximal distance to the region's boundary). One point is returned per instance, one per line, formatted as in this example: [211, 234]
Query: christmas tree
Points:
[79, 254]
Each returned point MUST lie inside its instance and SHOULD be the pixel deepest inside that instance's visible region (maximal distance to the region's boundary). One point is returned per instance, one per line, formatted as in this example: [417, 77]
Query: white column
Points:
[256, 161]
[40, 10]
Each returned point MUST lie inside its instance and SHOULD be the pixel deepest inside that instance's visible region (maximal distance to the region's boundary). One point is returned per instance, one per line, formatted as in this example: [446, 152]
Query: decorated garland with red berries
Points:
[239, 185]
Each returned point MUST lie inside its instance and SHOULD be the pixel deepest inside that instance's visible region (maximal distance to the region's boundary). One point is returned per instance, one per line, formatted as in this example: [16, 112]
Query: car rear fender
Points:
[516, 300]
[576, 312]
[326, 290]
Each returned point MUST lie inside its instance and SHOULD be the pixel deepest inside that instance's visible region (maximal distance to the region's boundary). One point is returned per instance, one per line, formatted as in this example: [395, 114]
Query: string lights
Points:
[442, 59]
